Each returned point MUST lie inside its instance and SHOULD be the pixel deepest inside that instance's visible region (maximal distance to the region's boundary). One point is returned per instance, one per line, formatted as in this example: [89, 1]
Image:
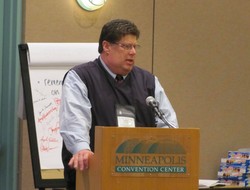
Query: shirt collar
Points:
[108, 70]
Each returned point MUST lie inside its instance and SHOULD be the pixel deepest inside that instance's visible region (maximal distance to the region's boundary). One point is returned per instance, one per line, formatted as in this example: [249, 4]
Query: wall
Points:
[198, 49]
[202, 57]
[57, 21]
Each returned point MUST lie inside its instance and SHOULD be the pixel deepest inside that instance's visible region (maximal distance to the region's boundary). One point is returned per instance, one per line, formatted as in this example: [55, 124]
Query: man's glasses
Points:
[128, 46]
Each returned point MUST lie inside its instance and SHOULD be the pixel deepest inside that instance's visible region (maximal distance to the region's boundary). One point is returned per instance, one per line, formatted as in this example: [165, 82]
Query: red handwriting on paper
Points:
[48, 143]
[44, 116]
[57, 101]
[54, 130]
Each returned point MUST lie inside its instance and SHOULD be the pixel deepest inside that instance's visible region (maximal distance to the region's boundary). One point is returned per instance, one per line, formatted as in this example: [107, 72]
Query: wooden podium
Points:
[142, 159]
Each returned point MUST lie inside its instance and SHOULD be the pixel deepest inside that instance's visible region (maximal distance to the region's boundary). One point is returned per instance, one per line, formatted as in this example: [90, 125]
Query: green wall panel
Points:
[10, 37]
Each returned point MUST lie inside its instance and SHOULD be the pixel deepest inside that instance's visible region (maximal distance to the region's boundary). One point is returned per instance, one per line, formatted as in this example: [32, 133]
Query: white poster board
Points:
[48, 63]
[46, 94]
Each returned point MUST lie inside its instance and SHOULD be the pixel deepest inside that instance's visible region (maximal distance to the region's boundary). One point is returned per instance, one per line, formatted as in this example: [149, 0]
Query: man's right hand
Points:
[80, 160]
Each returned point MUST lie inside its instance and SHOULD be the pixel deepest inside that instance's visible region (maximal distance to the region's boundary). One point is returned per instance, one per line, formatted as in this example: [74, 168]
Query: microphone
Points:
[151, 102]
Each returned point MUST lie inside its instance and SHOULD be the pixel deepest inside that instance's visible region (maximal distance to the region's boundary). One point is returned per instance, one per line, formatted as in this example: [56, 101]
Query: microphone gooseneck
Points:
[151, 102]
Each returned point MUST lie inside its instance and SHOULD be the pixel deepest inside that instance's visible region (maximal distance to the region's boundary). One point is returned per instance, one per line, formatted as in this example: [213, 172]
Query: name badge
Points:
[125, 115]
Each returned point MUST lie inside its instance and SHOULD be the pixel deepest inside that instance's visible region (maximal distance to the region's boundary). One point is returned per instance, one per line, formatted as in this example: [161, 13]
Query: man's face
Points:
[120, 56]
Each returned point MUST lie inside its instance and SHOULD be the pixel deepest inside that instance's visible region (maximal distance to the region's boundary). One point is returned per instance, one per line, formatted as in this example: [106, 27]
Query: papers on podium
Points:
[207, 183]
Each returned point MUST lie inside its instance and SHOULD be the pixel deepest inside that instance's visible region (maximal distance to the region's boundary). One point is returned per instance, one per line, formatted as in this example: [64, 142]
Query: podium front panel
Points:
[142, 158]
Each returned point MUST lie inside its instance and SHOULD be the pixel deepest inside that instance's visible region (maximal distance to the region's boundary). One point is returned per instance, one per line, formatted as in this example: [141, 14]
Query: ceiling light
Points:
[91, 5]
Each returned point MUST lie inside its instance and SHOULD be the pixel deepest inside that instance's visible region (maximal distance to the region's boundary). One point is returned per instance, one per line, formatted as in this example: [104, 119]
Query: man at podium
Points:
[109, 91]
